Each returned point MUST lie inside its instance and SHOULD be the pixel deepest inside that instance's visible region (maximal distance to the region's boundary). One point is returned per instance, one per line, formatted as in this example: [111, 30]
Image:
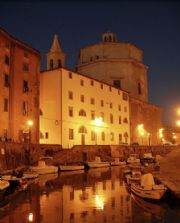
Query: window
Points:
[119, 107]
[125, 120]
[117, 83]
[25, 107]
[25, 55]
[102, 103]
[102, 116]
[139, 88]
[25, 67]
[70, 111]
[51, 64]
[82, 98]
[118, 92]
[6, 80]
[101, 86]
[110, 105]
[120, 138]
[111, 118]
[46, 135]
[70, 95]
[92, 101]
[125, 109]
[112, 136]
[97, 57]
[71, 133]
[25, 86]
[81, 82]
[92, 83]
[70, 75]
[93, 136]
[103, 136]
[125, 96]
[92, 115]
[119, 119]
[82, 113]
[59, 63]
[6, 60]
[5, 104]
[110, 89]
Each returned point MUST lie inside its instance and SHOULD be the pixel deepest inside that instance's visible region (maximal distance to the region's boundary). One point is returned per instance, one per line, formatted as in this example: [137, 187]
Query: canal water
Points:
[95, 196]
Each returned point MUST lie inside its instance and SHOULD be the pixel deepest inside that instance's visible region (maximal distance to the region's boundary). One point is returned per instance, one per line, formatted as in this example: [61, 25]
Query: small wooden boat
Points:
[97, 163]
[132, 159]
[116, 162]
[69, 167]
[42, 168]
[3, 185]
[148, 189]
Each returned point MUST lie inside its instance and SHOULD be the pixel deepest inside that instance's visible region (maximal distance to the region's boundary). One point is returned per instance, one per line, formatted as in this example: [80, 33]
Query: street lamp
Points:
[98, 123]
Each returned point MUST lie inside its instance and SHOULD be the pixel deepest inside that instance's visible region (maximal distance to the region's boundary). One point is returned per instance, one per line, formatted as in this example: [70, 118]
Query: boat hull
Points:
[97, 164]
[45, 170]
[71, 167]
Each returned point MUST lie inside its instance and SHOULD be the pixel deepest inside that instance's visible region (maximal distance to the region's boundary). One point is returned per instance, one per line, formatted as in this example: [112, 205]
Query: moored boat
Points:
[148, 189]
[97, 163]
[42, 168]
[116, 162]
[132, 159]
[135, 177]
[69, 167]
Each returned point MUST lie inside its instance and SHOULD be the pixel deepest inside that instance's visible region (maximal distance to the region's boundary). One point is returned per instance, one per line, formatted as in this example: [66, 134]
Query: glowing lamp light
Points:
[178, 123]
[98, 121]
[30, 123]
[178, 111]
[99, 202]
[30, 217]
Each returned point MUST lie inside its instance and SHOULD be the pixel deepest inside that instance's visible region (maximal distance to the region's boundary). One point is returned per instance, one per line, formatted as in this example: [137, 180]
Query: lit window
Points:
[71, 133]
[70, 95]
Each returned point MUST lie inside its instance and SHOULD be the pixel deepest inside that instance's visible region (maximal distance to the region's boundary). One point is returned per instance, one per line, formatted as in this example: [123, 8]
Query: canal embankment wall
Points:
[14, 155]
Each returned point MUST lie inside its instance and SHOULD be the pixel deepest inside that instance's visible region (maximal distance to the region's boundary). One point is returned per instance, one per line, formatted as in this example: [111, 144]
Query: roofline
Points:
[112, 43]
[84, 75]
[19, 41]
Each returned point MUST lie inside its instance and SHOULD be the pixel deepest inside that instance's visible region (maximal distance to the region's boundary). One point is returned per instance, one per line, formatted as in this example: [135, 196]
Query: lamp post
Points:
[98, 123]
[30, 124]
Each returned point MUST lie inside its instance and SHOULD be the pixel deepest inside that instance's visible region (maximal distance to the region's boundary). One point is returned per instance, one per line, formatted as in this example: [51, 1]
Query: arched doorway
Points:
[83, 131]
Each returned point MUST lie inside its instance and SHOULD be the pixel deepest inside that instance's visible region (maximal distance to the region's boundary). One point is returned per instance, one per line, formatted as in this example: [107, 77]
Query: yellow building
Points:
[77, 110]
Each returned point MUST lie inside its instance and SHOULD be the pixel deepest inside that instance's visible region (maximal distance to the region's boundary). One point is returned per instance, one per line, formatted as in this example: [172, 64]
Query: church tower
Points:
[56, 57]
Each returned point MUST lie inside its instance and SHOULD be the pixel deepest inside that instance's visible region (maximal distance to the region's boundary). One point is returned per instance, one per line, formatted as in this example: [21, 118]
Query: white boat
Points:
[42, 168]
[116, 162]
[135, 177]
[148, 189]
[132, 159]
[71, 167]
[97, 163]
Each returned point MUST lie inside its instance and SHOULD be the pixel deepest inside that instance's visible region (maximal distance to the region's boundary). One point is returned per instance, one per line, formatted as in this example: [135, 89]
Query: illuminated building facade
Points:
[120, 64]
[79, 110]
[19, 89]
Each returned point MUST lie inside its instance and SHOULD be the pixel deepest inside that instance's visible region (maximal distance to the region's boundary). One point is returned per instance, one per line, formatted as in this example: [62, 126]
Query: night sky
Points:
[152, 26]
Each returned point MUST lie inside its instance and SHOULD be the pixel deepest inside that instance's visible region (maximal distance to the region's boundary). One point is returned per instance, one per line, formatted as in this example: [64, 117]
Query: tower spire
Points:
[55, 57]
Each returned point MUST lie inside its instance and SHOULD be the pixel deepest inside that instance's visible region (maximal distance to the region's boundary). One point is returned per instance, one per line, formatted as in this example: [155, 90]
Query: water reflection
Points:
[99, 195]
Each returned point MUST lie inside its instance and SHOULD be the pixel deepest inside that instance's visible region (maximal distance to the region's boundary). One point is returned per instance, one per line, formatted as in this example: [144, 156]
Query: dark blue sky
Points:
[152, 26]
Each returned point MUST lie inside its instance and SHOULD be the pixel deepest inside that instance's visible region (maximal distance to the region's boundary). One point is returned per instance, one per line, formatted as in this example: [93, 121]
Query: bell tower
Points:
[56, 57]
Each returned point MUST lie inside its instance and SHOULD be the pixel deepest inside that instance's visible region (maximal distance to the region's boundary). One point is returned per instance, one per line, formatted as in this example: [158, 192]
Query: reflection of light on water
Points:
[30, 217]
[99, 202]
